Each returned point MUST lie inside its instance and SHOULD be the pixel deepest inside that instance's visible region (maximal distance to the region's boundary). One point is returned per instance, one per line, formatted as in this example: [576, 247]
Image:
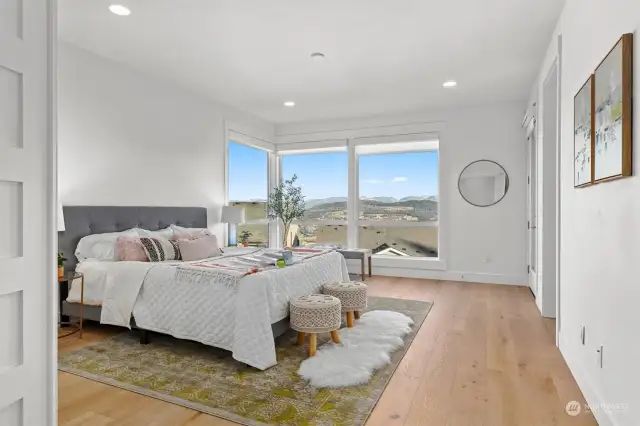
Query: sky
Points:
[326, 175]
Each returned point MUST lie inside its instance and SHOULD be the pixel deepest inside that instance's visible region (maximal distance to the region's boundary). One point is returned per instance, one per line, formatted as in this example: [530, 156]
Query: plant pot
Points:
[60, 271]
[245, 244]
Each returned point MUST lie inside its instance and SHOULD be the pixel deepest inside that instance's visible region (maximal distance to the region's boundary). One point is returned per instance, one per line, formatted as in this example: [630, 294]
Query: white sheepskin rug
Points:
[365, 348]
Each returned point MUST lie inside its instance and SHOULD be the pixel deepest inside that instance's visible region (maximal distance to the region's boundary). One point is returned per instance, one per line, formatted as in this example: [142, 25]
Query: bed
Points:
[242, 317]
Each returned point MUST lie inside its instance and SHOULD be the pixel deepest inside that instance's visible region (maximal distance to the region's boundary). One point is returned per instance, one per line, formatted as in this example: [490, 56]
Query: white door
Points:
[532, 223]
[27, 238]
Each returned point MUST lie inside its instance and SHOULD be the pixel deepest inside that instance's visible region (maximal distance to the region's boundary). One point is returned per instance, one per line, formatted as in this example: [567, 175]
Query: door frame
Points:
[558, 240]
[550, 178]
[532, 273]
[54, 199]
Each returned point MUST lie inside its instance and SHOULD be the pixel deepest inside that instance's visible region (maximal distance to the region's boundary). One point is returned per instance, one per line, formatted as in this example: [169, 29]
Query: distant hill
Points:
[423, 209]
[317, 201]
[381, 199]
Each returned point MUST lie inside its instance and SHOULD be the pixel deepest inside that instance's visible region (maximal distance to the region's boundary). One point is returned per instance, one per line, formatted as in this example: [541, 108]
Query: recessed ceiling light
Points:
[317, 57]
[450, 83]
[289, 104]
[120, 10]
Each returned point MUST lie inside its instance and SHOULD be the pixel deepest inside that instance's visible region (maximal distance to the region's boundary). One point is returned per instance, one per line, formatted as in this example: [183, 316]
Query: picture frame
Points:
[584, 134]
[613, 93]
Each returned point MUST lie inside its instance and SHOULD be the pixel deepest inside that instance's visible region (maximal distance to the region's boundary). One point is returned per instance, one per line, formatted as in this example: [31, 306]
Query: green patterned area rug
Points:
[210, 380]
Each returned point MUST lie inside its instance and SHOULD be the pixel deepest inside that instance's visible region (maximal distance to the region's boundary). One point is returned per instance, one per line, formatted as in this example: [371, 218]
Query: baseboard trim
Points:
[592, 396]
[473, 277]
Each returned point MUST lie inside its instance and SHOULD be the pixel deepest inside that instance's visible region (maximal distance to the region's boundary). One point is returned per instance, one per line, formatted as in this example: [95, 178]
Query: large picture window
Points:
[376, 193]
[248, 187]
[398, 200]
[324, 180]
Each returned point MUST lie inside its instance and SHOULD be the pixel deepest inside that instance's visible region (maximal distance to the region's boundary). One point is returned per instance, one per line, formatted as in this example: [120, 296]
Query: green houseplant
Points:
[61, 260]
[244, 236]
[286, 203]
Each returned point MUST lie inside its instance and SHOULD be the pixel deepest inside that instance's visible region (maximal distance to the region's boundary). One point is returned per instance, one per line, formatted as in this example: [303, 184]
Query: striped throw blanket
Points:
[229, 269]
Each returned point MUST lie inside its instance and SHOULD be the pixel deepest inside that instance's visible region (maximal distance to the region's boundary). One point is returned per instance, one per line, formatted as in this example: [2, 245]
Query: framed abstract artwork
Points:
[613, 97]
[583, 135]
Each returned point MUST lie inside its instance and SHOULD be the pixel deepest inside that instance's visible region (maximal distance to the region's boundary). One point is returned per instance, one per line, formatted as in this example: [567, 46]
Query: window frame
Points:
[353, 193]
[400, 139]
[232, 136]
[316, 148]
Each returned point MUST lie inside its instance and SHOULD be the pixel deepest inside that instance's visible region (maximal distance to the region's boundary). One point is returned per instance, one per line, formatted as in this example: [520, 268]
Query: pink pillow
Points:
[131, 249]
[198, 249]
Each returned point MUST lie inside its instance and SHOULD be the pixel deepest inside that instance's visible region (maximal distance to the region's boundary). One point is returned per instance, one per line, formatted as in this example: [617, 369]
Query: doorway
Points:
[549, 207]
[543, 194]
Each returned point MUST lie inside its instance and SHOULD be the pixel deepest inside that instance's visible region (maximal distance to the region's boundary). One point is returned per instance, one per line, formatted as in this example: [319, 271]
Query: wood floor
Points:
[484, 356]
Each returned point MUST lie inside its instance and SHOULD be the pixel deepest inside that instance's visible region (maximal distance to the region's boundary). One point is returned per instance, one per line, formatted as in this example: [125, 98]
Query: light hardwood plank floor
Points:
[484, 356]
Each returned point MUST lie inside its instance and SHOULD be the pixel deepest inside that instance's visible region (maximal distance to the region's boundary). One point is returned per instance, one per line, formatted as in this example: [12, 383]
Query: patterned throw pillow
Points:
[160, 249]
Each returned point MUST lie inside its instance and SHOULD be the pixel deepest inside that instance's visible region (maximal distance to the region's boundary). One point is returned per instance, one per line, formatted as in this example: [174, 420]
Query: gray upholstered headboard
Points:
[81, 221]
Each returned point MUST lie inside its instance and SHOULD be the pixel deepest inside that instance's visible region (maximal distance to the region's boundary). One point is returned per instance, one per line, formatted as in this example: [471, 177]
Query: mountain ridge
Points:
[388, 200]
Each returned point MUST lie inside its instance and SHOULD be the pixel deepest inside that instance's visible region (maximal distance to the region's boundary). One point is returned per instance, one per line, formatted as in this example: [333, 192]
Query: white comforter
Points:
[237, 318]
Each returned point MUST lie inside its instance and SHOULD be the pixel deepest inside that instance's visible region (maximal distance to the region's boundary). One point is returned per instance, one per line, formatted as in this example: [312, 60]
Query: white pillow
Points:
[101, 246]
[181, 233]
[166, 233]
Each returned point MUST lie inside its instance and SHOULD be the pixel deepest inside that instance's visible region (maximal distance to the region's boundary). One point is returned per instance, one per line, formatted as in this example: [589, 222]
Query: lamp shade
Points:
[60, 218]
[232, 214]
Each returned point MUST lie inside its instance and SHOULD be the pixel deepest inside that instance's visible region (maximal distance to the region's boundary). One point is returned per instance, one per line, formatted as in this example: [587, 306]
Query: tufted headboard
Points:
[86, 220]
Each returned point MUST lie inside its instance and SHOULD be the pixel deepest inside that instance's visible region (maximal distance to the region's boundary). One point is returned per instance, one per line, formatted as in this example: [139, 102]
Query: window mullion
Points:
[352, 198]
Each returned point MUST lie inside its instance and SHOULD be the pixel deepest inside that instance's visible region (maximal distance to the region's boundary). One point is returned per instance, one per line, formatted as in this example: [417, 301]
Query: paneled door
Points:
[27, 236]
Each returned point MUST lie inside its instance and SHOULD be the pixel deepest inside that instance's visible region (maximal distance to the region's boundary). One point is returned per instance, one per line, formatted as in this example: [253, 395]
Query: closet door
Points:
[27, 238]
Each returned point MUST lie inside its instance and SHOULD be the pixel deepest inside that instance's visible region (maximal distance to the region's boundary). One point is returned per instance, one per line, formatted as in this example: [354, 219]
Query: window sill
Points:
[420, 263]
[409, 263]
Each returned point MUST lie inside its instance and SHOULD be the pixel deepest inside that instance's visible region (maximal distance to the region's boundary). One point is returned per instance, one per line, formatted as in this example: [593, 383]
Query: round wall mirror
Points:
[483, 183]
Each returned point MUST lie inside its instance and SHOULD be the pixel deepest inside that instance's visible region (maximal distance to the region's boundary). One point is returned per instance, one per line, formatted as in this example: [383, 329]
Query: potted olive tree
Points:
[286, 203]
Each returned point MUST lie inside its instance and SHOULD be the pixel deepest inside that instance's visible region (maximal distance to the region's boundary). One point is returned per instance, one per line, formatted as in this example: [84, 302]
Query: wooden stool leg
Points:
[335, 336]
[350, 319]
[313, 343]
[300, 337]
[356, 314]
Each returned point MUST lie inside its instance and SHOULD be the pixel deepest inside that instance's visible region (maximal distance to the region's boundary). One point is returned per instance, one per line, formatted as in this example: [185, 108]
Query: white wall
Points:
[478, 244]
[129, 139]
[599, 255]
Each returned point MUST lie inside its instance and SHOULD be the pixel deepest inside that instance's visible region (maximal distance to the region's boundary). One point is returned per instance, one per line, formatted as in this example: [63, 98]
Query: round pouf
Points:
[316, 313]
[352, 295]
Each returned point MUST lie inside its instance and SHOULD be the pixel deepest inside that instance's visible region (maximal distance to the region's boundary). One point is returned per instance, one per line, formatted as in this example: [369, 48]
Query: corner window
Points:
[248, 179]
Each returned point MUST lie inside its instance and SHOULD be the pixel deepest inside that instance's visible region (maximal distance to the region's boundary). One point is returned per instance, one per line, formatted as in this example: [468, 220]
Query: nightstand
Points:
[66, 280]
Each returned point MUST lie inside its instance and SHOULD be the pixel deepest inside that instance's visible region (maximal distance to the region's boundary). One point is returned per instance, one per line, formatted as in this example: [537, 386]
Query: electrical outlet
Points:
[600, 351]
[583, 334]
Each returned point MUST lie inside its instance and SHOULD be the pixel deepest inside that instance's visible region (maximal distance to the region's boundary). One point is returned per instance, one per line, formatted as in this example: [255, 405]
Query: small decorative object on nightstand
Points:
[61, 260]
[66, 280]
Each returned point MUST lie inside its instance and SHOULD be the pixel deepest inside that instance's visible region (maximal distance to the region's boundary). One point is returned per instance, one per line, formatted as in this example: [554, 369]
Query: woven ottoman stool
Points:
[316, 313]
[352, 295]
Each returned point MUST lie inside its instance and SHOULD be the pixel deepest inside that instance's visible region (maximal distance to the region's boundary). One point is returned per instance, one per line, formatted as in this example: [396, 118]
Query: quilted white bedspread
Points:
[233, 317]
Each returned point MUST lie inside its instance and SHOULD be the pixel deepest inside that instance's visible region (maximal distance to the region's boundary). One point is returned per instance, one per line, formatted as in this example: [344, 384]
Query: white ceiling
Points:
[382, 56]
